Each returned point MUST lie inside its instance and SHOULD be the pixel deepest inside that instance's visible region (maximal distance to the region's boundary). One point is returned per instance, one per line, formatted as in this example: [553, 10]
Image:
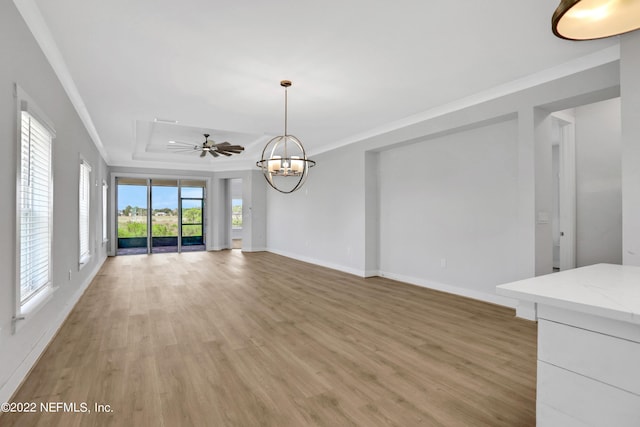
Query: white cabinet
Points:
[588, 345]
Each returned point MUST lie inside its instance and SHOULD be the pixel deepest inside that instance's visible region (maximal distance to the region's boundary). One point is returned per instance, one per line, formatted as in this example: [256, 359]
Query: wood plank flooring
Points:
[256, 339]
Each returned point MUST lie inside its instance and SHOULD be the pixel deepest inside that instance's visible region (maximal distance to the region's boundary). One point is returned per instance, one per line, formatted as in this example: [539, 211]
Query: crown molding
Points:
[38, 27]
[595, 59]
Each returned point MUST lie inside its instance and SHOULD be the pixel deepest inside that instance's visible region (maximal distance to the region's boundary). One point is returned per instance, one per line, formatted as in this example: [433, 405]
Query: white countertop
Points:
[607, 290]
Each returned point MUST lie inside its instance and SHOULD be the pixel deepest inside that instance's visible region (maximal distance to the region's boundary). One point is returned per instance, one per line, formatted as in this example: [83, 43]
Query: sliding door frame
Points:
[114, 176]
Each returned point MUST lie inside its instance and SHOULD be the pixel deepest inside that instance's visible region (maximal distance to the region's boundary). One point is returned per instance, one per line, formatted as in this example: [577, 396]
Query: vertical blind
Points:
[35, 213]
[85, 196]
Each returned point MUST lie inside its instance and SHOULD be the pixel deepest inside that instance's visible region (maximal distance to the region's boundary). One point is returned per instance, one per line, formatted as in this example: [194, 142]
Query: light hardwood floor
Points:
[255, 339]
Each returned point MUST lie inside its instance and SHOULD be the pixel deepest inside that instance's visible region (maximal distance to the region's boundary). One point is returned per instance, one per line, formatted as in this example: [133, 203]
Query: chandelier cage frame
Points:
[286, 157]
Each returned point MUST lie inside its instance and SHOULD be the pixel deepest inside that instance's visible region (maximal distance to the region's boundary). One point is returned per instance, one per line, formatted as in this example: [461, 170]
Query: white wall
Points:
[598, 183]
[337, 220]
[543, 131]
[324, 221]
[630, 106]
[449, 210]
[24, 63]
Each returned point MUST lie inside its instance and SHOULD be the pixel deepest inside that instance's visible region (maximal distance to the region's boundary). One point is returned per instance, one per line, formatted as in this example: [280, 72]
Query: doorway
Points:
[563, 222]
[235, 185]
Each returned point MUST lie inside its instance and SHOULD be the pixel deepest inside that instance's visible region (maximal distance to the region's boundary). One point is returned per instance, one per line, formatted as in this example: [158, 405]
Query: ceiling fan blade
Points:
[213, 153]
[204, 153]
[227, 147]
[230, 151]
[224, 153]
[184, 150]
[180, 145]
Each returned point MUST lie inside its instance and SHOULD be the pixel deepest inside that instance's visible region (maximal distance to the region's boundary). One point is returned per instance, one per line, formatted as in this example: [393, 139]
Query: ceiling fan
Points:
[208, 146]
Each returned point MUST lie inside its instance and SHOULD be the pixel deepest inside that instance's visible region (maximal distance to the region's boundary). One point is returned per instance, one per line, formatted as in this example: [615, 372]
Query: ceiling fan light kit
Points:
[595, 19]
[284, 161]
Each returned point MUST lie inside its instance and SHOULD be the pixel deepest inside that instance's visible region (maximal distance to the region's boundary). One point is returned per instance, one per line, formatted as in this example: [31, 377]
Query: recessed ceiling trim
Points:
[34, 20]
[168, 121]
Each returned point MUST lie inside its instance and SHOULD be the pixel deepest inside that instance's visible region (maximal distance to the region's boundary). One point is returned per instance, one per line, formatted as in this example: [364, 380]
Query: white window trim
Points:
[23, 311]
[105, 212]
[84, 258]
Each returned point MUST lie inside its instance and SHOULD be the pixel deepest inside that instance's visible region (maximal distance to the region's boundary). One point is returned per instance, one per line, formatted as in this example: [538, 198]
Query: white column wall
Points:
[630, 95]
[598, 183]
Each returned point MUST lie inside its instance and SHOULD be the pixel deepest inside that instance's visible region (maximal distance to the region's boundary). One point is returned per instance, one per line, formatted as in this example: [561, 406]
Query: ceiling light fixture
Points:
[284, 162]
[595, 19]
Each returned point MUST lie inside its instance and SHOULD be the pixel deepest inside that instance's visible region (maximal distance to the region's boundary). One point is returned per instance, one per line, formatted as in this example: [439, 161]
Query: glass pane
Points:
[192, 211]
[236, 213]
[132, 217]
[164, 220]
[191, 231]
[192, 237]
[192, 192]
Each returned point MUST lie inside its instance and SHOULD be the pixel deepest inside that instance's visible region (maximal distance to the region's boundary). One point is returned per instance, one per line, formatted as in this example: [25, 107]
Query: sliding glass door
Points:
[132, 223]
[192, 214]
[164, 219]
[175, 220]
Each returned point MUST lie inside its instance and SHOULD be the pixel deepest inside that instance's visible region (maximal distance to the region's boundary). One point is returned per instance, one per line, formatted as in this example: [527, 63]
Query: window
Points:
[105, 195]
[34, 204]
[236, 213]
[85, 205]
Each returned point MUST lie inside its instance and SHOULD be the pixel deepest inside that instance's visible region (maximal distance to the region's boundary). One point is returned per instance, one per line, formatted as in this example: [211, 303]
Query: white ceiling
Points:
[356, 66]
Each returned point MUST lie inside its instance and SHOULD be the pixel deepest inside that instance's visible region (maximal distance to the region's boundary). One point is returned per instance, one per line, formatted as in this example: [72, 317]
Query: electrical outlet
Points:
[69, 275]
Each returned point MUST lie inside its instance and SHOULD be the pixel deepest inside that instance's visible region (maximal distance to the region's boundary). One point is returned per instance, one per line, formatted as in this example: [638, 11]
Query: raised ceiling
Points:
[357, 66]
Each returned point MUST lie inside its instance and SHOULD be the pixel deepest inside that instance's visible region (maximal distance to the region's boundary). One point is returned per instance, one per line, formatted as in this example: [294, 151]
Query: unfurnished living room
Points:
[320, 213]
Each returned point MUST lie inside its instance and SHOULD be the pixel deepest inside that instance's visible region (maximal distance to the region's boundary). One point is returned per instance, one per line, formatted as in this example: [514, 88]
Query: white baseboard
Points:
[371, 273]
[254, 249]
[455, 290]
[14, 381]
[321, 263]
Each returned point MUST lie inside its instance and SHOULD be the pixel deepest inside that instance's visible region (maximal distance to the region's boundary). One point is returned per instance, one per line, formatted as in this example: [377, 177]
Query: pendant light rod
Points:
[285, 84]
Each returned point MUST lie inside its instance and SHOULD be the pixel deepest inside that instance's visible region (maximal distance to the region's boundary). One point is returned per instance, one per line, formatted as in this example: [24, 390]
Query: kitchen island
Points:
[588, 344]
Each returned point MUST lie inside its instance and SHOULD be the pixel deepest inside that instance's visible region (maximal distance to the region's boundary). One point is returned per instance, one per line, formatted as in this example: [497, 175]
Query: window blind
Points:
[35, 212]
[85, 196]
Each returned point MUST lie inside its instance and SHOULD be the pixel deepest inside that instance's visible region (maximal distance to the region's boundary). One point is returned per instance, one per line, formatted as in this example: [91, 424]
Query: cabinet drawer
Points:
[564, 396]
[602, 357]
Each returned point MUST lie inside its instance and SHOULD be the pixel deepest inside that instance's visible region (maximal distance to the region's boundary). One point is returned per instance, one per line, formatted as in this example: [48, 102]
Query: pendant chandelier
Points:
[595, 19]
[284, 162]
